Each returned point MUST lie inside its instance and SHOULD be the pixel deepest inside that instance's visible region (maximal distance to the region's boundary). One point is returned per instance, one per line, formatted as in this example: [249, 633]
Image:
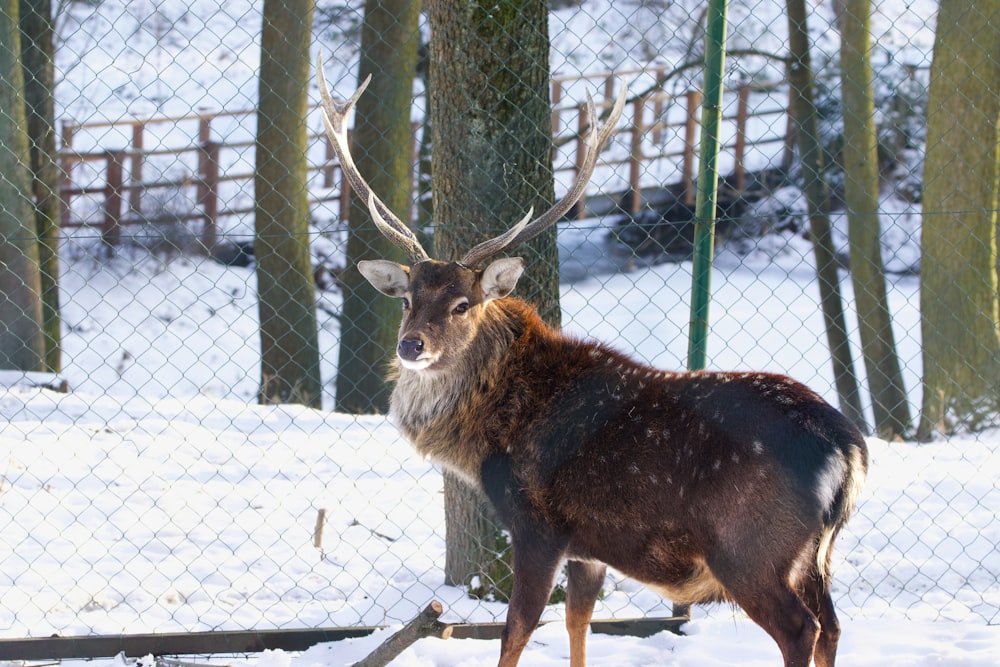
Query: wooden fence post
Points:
[790, 132]
[329, 164]
[635, 156]
[111, 227]
[65, 172]
[659, 98]
[582, 130]
[138, 157]
[208, 192]
[556, 99]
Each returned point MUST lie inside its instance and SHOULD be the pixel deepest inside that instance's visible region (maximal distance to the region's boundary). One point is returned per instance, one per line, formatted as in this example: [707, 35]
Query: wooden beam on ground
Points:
[254, 641]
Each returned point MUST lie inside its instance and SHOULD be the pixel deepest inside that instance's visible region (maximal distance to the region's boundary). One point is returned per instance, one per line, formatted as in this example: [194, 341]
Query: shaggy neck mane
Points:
[425, 403]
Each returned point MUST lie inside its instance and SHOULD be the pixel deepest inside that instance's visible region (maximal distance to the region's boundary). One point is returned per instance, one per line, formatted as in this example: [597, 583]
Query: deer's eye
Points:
[460, 308]
[406, 304]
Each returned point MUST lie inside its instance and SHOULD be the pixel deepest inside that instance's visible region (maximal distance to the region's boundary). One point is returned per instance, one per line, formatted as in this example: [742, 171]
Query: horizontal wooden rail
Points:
[255, 641]
[125, 181]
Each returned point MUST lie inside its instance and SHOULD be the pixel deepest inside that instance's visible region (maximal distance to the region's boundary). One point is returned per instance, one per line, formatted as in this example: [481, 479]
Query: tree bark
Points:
[818, 199]
[287, 294]
[382, 148]
[492, 140]
[37, 59]
[878, 344]
[960, 308]
[22, 340]
[491, 159]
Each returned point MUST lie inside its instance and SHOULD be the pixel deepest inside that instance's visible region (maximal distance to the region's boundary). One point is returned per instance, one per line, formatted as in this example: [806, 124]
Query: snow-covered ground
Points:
[156, 497]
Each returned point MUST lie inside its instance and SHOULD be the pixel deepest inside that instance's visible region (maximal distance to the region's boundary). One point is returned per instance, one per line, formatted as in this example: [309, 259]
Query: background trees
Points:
[947, 334]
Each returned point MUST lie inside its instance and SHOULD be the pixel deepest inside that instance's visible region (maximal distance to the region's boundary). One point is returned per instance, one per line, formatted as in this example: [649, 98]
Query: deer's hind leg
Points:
[816, 595]
[583, 585]
[764, 593]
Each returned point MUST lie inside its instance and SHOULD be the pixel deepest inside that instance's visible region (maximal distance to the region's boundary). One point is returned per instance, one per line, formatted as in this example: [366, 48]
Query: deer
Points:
[706, 486]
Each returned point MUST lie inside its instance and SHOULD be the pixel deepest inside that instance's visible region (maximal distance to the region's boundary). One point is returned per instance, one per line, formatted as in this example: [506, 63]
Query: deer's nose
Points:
[410, 349]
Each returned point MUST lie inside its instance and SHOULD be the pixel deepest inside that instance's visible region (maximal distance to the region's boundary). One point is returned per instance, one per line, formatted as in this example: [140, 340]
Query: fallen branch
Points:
[426, 624]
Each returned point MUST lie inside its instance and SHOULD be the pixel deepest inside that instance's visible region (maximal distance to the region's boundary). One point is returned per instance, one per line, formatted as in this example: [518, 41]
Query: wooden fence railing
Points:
[213, 167]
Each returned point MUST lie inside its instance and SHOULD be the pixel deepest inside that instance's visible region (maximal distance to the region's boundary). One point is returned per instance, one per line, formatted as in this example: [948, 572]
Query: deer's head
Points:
[444, 301]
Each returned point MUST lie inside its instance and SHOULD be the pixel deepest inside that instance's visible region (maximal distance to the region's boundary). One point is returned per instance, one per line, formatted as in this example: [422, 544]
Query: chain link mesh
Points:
[157, 495]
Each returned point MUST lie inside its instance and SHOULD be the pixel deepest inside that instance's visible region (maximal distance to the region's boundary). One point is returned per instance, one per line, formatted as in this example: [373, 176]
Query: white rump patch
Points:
[830, 479]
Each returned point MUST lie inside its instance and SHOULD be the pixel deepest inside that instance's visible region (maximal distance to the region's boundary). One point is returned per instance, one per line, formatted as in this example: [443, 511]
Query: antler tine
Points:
[335, 120]
[524, 230]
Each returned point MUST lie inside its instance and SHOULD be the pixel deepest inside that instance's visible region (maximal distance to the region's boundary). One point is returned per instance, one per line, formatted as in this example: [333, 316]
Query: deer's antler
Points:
[525, 230]
[335, 120]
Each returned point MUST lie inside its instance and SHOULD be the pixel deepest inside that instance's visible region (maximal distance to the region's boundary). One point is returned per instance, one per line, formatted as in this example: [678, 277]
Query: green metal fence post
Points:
[704, 240]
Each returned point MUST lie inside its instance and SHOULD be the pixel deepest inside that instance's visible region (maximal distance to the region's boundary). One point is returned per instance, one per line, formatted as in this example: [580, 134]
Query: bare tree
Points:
[22, 341]
[37, 59]
[860, 154]
[804, 111]
[959, 302]
[382, 138]
[287, 295]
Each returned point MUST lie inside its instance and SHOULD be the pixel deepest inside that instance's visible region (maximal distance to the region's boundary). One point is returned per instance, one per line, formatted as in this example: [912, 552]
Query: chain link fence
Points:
[145, 489]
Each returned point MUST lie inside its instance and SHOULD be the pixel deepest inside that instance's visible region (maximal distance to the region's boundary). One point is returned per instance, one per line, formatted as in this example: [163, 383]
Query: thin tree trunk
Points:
[37, 58]
[22, 340]
[878, 345]
[817, 196]
[382, 141]
[287, 294]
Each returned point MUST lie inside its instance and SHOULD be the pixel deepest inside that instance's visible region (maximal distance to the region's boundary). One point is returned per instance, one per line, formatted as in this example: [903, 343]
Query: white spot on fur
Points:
[757, 446]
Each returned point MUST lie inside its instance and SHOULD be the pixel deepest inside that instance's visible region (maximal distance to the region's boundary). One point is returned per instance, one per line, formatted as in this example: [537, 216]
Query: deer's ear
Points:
[387, 277]
[500, 277]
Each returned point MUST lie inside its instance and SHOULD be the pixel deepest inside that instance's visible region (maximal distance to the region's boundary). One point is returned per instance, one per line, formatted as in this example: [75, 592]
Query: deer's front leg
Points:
[537, 557]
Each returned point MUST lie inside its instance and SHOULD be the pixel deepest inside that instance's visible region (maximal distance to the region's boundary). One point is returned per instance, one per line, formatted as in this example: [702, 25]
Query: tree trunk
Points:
[818, 199]
[382, 143]
[288, 331]
[22, 340]
[960, 312]
[492, 159]
[37, 58]
[878, 344]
